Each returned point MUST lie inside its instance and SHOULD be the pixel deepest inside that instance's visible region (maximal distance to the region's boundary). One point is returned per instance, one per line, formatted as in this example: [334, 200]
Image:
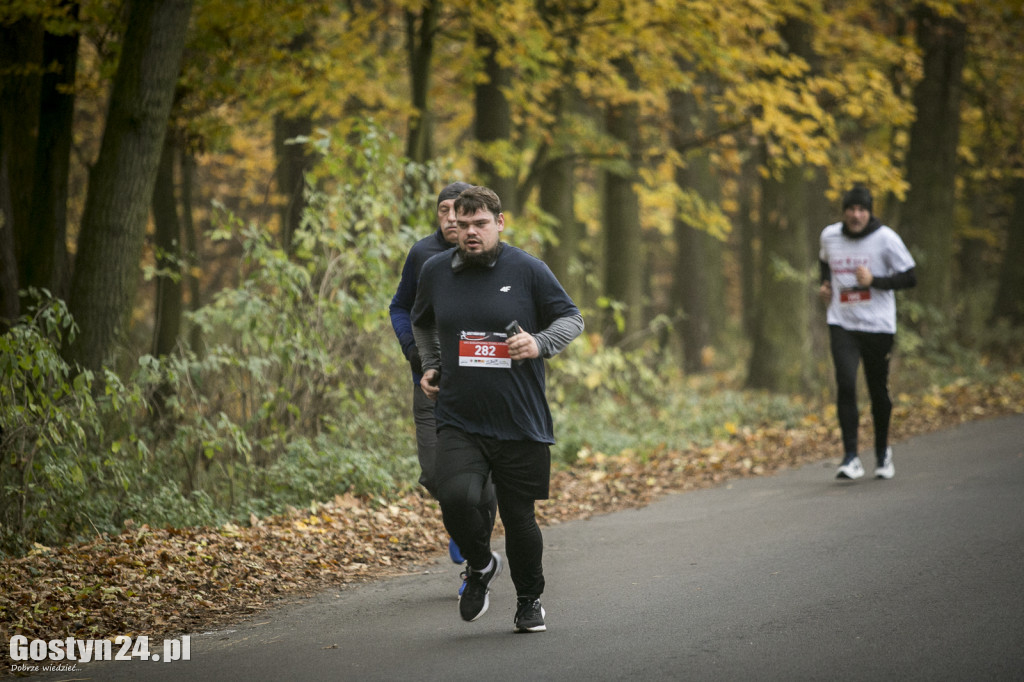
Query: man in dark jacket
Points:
[486, 316]
[440, 240]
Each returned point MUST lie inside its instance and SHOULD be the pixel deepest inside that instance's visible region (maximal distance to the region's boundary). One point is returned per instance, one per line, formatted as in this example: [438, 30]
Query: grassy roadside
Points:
[165, 582]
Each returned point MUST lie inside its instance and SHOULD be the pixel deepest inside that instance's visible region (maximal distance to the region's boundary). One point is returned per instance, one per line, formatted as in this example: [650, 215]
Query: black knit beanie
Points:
[858, 196]
[452, 191]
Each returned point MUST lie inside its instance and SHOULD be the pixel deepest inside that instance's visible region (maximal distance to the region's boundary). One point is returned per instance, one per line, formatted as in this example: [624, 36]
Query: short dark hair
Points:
[475, 198]
[452, 191]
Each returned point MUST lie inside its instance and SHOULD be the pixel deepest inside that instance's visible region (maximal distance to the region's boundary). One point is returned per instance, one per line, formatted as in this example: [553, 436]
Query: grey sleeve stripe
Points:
[557, 336]
[429, 346]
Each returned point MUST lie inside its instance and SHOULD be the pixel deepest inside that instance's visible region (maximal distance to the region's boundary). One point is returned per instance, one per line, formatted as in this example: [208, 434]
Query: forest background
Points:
[205, 206]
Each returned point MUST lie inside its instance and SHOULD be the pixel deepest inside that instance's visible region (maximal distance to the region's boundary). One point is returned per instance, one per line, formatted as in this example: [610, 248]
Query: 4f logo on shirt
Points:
[505, 289]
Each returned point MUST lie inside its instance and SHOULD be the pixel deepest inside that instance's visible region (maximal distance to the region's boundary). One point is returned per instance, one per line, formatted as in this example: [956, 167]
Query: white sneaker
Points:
[886, 469]
[851, 470]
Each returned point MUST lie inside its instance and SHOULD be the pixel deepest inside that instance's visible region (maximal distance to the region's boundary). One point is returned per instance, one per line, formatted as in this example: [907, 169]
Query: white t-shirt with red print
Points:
[856, 308]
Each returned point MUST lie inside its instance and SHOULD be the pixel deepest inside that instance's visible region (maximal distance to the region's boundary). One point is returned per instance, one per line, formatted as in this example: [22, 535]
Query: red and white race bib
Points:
[854, 295]
[484, 349]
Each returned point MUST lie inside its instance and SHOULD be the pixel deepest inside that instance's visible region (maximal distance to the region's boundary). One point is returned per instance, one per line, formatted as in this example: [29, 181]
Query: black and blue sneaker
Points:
[474, 601]
[454, 553]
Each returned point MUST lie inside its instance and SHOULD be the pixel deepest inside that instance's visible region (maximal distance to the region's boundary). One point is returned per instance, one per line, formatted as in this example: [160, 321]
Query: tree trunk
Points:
[781, 357]
[564, 22]
[973, 262]
[624, 257]
[9, 304]
[20, 55]
[781, 344]
[697, 290]
[557, 199]
[819, 212]
[167, 243]
[624, 248]
[420, 46]
[47, 264]
[192, 258]
[557, 192]
[493, 123]
[748, 242]
[293, 161]
[1009, 303]
[927, 217]
[121, 182]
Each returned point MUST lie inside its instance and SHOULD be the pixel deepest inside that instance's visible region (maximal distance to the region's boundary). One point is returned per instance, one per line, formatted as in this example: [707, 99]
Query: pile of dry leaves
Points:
[165, 582]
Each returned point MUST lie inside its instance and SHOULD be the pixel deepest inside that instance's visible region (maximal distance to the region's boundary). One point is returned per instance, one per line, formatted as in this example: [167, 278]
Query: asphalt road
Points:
[790, 577]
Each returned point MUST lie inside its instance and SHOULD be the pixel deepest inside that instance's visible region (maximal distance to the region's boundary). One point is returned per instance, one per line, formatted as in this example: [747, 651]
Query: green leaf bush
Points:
[299, 391]
[67, 455]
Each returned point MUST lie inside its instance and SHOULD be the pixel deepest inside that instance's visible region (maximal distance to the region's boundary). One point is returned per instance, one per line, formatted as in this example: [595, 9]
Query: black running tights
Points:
[848, 349]
[466, 520]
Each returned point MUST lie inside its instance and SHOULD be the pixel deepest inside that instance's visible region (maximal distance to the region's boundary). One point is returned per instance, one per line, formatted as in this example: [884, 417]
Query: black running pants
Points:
[848, 350]
[521, 473]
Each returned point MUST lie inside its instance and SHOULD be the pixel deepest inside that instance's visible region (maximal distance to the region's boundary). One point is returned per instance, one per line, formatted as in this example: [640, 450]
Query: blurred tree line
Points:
[672, 160]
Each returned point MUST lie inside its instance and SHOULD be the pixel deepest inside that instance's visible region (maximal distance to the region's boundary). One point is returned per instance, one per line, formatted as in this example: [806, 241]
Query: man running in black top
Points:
[488, 379]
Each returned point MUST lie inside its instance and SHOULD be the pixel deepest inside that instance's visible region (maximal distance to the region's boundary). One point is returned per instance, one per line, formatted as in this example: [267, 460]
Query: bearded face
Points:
[479, 236]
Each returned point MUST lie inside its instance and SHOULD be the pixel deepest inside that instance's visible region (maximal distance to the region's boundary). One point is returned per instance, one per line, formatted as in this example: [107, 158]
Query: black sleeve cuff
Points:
[901, 280]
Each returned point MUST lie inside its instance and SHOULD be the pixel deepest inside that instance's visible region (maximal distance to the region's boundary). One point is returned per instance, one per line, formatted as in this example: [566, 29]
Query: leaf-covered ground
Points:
[166, 582]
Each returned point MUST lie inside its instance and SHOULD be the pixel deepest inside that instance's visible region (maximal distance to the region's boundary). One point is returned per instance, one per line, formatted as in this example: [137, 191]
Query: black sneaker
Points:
[474, 602]
[530, 616]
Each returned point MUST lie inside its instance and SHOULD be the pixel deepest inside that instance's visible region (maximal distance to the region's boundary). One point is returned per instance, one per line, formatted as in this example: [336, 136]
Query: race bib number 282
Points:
[484, 349]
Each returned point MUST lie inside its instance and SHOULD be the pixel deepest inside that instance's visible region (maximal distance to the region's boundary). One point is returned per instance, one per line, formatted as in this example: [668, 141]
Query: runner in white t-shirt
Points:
[863, 263]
